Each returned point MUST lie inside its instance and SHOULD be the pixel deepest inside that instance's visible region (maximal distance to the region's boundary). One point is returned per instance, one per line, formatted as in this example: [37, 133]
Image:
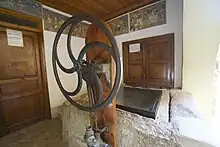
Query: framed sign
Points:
[15, 38]
[134, 48]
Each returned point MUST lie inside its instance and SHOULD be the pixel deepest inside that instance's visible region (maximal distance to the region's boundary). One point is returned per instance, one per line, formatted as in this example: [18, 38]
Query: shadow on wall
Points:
[217, 87]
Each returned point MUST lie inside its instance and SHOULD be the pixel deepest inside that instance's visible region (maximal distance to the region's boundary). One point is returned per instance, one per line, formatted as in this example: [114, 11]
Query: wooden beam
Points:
[64, 7]
[107, 117]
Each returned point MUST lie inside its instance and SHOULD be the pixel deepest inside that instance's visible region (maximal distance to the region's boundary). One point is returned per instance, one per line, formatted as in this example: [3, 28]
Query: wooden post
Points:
[106, 117]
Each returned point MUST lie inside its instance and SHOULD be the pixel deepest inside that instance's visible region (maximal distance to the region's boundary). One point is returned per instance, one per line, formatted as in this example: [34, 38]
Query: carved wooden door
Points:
[159, 61]
[152, 66]
[21, 92]
[134, 65]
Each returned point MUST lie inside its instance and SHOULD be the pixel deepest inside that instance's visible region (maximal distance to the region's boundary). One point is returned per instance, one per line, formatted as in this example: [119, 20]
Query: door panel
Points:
[10, 89]
[159, 57]
[134, 69]
[135, 56]
[151, 67]
[136, 72]
[17, 62]
[157, 73]
[21, 89]
[158, 51]
[21, 105]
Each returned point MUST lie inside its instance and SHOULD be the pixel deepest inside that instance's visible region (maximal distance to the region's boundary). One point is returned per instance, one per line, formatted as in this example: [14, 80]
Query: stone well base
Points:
[133, 130]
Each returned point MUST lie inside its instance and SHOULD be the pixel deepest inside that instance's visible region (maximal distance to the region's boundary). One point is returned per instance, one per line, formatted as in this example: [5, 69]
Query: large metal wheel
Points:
[83, 69]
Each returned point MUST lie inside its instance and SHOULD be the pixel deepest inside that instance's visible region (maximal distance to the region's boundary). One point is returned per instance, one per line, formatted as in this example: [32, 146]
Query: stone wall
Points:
[133, 130]
[74, 124]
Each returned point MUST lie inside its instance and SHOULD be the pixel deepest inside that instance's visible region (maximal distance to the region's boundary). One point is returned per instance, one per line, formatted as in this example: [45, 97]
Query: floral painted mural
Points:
[146, 17]
[119, 25]
[29, 7]
[80, 30]
[53, 21]
[149, 16]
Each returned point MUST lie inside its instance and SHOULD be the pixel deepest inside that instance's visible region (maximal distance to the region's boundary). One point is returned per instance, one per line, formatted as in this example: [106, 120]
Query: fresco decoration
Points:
[150, 16]
[53, 21]
[119, 25]
[29, 7]
[80, 30]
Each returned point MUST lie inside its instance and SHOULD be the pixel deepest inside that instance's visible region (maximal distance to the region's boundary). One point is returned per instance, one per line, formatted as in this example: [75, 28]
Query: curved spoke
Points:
[69, 48]
[55, 62]
[66, 70]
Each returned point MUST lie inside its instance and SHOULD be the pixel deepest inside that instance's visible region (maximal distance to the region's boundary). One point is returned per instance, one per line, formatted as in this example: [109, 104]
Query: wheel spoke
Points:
[69, 48]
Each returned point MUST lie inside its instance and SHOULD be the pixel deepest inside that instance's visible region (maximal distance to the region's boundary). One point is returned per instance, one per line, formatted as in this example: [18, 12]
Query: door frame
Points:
[39, 32]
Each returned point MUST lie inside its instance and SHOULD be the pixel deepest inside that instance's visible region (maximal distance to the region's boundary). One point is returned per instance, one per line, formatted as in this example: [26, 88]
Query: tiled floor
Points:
[42, 134]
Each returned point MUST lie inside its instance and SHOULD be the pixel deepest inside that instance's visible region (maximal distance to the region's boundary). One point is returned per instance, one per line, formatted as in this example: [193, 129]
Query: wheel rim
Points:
[78, 64]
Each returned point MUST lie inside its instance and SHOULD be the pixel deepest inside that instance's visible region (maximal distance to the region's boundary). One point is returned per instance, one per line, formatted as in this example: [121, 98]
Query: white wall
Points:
[174, 25]
[69, 81]
[201, 35]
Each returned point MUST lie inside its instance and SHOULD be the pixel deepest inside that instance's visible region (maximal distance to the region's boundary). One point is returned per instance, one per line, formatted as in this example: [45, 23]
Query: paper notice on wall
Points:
[134, 48]
[15, 38]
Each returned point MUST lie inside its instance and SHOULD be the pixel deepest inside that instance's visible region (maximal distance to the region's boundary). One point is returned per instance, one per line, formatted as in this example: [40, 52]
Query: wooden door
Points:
[152, 66]
[159, 61]
[134, 65]
[21, 87]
